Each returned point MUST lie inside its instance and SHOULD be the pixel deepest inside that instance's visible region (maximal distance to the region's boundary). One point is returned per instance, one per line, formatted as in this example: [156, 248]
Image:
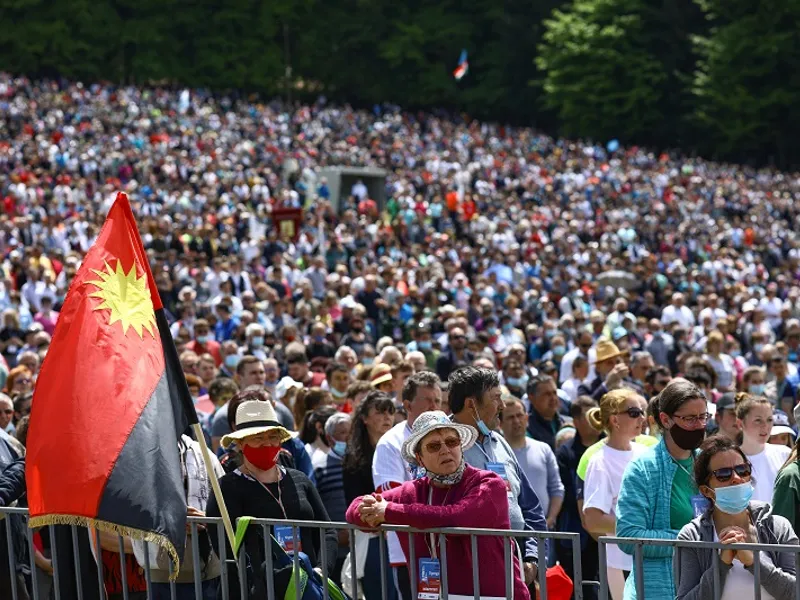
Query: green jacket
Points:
[786, 497]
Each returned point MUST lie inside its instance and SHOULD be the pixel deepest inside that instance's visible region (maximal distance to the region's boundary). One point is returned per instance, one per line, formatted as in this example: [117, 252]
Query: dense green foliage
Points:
[717, 76]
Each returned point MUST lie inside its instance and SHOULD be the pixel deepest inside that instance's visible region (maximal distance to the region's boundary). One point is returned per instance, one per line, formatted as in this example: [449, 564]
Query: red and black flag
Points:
[111, 402]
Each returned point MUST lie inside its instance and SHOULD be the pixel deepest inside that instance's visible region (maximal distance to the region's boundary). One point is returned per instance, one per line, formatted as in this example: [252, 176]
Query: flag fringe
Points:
[137, 534]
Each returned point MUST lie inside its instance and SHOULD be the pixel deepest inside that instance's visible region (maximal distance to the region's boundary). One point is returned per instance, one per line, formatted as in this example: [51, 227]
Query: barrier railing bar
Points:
[603, 571]
[324, 557]
[382, 550]
[509, 571]
[198, 584]
[147, 574]
[98, 560]
[757, 574]
[12, 560]
[577, 570]
[715, 573]
[353, 570]
[242, 573]
[223, 554]
[34, 580]
[270, 565]
[793, 549]
[76, 559]
[412, 560]
[796, 578]
[296, 563]
[173, 591]
[56, 567]
[541, 567]
[122, 567]
[638, 561]
[443, 564]
[476, 587]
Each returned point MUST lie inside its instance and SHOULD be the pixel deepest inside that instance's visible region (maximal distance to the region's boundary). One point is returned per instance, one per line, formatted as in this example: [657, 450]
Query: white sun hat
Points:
[431, 421]
[254, 417]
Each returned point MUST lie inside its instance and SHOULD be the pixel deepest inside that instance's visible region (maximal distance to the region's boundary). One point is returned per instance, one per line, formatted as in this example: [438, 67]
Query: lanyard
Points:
[685, 470]
[432, 544]
[278, 499]
[479, 446]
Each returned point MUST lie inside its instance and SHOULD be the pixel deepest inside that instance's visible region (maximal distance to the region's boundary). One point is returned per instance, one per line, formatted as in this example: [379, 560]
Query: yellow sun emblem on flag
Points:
[128, 298]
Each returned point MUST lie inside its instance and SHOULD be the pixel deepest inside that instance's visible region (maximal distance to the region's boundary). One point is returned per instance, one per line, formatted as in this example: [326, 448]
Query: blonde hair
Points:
[610, 404]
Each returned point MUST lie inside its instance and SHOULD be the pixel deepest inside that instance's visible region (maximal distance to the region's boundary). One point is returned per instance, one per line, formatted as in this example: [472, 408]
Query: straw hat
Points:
[431, 421]
[254, 417]
[606, 349]
[380, 374]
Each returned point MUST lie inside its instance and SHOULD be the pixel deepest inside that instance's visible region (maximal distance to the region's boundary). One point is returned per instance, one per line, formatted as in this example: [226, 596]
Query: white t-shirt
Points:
[739, 584]
[766, 465]
[601, 490]
[388, 470]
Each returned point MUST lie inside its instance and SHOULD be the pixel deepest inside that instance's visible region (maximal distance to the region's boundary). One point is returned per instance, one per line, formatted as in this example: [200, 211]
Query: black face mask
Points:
[687, 439]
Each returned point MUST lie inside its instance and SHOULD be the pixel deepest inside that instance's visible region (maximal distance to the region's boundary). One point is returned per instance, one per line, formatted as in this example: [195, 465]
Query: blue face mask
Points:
[559, 351]
[203, 339]
[734, 498]
[517, 382]
[757, 389]
[424, 345]
[339, 447]
[257, 341]
[231, 361]
[491, 330]
[482, 428]
[367, 361]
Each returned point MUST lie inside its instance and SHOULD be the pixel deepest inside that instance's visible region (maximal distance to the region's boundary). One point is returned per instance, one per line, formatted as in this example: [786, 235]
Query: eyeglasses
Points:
[632, 412]
[693, 419]
[725, 473]
[434, 447]
[8, 411]
[458, 337]
[23, 381]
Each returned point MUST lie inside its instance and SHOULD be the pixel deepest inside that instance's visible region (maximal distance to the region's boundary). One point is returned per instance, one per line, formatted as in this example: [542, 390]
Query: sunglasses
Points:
[725, 473]
[434, 447]
[633, 413]
[8, 411]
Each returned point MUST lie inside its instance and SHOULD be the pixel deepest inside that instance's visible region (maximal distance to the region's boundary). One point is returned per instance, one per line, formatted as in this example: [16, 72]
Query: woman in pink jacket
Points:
[452, 494]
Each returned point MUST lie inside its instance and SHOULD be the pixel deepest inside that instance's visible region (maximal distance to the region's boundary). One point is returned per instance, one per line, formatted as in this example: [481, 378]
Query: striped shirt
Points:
[328, 474]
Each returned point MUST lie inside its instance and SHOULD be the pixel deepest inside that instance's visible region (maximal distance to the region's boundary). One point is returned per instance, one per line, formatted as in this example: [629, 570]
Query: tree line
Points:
[718, 77]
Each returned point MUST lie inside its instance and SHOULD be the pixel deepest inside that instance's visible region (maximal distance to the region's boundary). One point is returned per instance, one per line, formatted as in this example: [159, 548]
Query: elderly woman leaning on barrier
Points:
[724, 476]
[263, 489]
[658, 495]
[452, 494]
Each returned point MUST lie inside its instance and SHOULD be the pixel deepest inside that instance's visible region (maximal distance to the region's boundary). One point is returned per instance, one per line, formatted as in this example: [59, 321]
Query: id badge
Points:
[500, 469]
[283, 533]
[429, 585]
[700, 504]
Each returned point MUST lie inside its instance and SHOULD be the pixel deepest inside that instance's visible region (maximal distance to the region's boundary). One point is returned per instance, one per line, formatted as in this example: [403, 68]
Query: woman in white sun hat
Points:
[263, 489]
[451, 494]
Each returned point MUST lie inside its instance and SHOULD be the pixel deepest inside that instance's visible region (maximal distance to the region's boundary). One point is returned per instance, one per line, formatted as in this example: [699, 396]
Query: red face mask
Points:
[262, 457]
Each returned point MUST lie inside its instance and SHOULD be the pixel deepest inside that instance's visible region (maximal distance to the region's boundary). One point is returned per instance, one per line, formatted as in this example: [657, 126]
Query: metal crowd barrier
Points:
[679, 546]
[30, 579]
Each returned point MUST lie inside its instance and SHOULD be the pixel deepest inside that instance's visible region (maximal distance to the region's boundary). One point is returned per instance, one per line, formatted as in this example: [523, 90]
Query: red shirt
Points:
[211, 347]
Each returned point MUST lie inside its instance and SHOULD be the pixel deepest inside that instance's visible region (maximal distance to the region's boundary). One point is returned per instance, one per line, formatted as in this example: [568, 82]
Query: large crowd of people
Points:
[572, 319]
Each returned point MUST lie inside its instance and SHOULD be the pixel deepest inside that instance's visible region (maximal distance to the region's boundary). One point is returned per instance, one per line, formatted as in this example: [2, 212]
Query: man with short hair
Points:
[421, 393]
[545, 420]
[475, 401]
[641, 363]
[297, 367]
[204, 342]
[656, 380]
[583, 347]
[6, 414]
[725, 418]
[457, 354]
[536, 459]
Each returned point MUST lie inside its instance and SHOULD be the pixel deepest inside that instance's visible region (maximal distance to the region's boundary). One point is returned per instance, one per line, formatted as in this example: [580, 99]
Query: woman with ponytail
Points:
[755, 416]
[621, 416]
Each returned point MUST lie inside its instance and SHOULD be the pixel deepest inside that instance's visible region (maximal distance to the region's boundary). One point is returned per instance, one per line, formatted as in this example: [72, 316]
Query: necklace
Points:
[277, 499]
